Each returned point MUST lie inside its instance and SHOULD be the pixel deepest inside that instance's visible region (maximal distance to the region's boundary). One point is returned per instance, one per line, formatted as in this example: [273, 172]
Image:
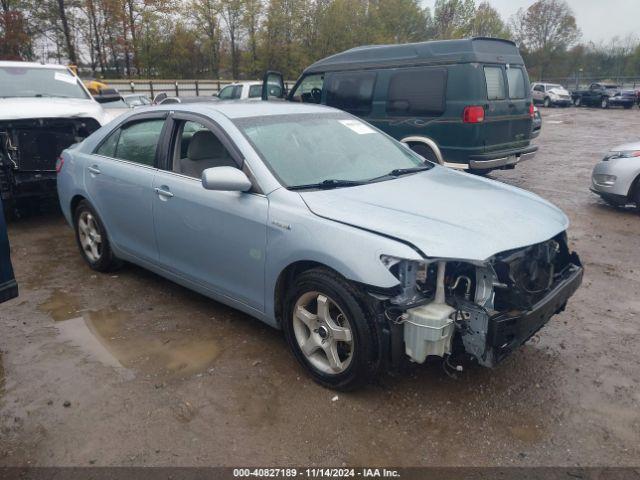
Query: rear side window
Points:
[418, 91]
[135, 142]
[351, 91]
[515, 77]
[495, 83]
[255, 91]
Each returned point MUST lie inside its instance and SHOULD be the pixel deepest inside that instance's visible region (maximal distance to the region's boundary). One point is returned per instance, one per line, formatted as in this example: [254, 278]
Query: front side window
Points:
[515, 77]
[39, 82]
[495, 83]
[417, 91]
[351, 91]
[227, 93]
[308, 149]
[135, 142]
[197, 148]
[309, 90]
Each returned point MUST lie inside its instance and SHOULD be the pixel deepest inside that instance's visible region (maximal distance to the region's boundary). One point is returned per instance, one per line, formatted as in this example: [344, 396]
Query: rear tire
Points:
[331, 330]
[92, 239]
[424, 151]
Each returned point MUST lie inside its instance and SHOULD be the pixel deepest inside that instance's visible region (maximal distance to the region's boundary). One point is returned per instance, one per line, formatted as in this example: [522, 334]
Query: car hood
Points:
[444, 213]
[559, 91]
[43, 107]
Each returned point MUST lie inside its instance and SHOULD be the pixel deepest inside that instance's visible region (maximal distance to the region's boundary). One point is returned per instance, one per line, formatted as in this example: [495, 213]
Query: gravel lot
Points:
[131, 369]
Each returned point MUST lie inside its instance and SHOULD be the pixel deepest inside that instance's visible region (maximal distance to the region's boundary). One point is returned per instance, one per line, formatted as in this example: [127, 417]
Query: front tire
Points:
[604, 103]
[547, 102]
[331, 330]
[92, 239]
[577, 102]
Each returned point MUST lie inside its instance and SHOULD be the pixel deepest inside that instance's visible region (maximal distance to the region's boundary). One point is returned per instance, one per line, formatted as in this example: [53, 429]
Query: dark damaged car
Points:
[43, 110]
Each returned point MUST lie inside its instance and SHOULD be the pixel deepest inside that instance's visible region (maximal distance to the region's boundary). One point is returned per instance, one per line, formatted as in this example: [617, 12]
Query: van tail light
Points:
[473, 114]
[59, 164]
[532, 112]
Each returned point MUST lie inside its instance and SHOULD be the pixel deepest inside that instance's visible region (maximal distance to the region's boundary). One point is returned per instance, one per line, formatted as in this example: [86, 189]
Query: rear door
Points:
[519, 102]
[497, 122]
[119, 179]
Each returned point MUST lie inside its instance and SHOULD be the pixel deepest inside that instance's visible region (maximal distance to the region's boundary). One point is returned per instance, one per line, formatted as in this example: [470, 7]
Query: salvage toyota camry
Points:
[315, 222]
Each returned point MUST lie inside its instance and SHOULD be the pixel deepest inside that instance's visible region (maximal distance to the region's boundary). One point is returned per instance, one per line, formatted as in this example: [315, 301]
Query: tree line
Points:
[242, 38]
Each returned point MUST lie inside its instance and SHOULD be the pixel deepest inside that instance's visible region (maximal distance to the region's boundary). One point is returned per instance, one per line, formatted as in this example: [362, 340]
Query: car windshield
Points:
[39, 82]
[337, 149]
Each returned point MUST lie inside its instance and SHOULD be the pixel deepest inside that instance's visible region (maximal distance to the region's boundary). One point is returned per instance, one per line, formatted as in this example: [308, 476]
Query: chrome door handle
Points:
[95, 170]
[163, 193]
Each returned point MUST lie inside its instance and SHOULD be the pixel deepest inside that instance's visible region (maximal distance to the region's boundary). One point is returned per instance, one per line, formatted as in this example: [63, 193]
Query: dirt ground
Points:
[131, 369]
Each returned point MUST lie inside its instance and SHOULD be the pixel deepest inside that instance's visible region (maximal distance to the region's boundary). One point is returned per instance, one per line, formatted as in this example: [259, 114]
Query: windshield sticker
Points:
[357, 126]
[63, 77]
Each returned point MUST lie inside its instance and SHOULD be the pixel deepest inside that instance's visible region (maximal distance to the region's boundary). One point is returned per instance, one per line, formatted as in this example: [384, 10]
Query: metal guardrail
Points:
[173, 87]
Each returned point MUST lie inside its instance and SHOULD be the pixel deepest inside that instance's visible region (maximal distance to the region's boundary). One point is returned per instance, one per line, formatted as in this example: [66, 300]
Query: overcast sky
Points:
[597, 19]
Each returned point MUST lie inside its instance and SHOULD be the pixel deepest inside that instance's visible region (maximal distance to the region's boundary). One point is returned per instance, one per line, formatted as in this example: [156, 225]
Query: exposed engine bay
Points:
[486, 309]
[29, 150]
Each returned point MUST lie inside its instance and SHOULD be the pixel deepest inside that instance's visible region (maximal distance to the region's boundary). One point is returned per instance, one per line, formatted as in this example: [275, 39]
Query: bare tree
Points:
[545, 29]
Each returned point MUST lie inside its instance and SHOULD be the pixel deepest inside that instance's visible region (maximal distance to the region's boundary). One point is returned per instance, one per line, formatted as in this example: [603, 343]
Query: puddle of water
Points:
[60, 306]
[118, 339]
[525, 433]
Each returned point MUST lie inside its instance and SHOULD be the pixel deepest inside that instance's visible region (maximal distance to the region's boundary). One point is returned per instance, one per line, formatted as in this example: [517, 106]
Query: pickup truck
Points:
[603, 95]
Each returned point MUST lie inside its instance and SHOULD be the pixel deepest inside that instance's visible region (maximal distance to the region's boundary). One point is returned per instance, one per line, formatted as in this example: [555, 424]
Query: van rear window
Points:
[417, 91]
[495, 83]
[515, 77]
[351, 91]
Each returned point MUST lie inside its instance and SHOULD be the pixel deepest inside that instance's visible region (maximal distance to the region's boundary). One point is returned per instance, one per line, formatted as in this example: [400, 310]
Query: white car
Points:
[43, 110]
[550, 94]
[246, 91]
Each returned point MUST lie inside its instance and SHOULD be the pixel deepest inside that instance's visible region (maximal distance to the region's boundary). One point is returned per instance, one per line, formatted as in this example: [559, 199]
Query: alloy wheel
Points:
[90, 238]
[323, 333]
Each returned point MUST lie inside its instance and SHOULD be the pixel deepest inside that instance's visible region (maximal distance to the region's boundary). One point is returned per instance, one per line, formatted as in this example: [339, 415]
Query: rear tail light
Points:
[532, 112]
[473, 114]
[59, 164]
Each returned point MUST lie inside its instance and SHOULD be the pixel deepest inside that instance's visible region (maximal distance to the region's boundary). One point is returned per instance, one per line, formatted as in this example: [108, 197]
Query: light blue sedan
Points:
[315, 222]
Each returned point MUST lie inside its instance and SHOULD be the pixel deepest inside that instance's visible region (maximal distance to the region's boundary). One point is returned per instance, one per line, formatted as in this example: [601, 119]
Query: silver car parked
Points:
[314, 222]
[616, 178]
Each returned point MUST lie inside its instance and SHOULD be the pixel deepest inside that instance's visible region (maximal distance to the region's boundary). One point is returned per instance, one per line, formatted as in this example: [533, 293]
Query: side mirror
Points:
[226, 179]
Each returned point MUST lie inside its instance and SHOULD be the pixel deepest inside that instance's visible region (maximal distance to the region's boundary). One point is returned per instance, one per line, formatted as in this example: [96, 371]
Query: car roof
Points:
[477, 49]
[4, 63]
[247, 108]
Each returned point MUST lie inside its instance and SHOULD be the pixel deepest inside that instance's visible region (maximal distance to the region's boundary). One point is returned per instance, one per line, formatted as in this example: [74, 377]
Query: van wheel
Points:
[547, 102]
[330, 330]
[92, 239]
[424, 151]
[604, 103]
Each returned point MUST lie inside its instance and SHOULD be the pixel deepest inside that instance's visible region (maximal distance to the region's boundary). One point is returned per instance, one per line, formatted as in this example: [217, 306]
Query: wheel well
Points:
[635, 188]
[74, 203]
[286, 278]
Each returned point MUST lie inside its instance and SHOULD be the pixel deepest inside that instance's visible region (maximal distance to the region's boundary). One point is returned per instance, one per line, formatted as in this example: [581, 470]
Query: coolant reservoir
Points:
[428, 330]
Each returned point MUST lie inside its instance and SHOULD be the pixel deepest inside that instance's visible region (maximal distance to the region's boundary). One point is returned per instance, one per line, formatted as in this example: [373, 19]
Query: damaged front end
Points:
[483, 309]
[29, 150]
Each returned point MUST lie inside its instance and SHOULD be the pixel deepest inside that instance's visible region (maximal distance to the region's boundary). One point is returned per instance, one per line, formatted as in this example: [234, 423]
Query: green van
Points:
[465, 103]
